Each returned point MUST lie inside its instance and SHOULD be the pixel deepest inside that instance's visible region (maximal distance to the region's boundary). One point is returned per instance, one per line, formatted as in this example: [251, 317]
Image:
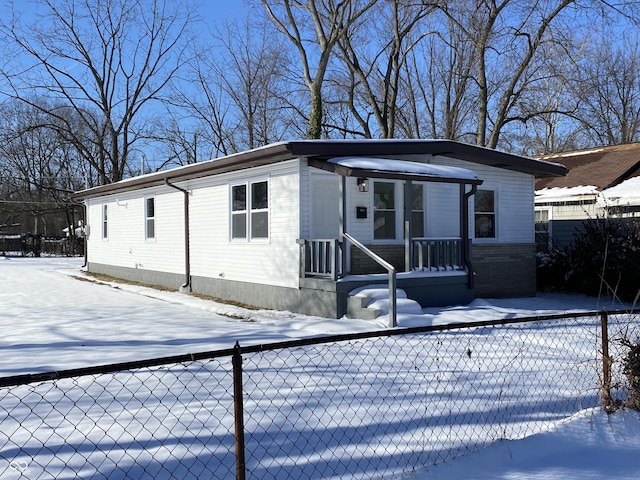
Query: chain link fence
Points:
[370, 405]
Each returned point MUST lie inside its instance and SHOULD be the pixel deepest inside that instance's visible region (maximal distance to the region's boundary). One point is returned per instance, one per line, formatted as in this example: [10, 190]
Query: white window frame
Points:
[250, 212]
[149, 233]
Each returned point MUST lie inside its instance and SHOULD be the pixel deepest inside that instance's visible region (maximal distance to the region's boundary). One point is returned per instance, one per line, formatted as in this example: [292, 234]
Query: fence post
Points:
[606, 363]
[238, 410]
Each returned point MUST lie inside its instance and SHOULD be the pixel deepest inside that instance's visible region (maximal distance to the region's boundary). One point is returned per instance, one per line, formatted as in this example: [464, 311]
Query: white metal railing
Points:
[437, 254]
[393, 310]
[320, 258]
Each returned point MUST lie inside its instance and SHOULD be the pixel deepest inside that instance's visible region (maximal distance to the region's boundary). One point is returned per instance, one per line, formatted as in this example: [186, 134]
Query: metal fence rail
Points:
[367, 405]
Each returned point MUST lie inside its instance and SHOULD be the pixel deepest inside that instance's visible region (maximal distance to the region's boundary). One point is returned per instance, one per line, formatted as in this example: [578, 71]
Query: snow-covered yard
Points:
[51, 320]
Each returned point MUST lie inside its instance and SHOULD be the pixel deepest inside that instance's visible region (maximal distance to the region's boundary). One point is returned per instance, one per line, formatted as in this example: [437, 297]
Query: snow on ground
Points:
[51, 319]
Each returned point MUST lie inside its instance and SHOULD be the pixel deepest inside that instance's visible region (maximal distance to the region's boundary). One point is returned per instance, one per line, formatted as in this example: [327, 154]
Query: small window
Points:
[250, 210]
[485, 214]
[384, 213]
[150, 218]
[105, 230]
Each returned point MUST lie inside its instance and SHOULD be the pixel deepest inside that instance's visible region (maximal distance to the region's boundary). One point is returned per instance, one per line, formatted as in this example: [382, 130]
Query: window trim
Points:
[249, 212]
[105, 221]
[148, 219]
[494, 213]
[396, 236]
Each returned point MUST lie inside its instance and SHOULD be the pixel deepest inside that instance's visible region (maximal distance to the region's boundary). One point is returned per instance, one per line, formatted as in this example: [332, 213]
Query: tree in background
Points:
[324, 21]
[107, 60]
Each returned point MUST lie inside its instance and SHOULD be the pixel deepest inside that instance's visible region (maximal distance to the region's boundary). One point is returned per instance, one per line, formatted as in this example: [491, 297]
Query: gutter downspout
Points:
[465, 232]
[85, 235]
[186, 286]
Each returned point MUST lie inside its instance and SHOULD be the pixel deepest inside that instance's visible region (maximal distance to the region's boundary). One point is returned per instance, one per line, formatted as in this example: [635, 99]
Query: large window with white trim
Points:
[250, 210]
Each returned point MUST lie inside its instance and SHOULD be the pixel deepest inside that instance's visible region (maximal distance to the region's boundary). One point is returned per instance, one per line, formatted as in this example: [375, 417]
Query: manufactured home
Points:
[300, 225]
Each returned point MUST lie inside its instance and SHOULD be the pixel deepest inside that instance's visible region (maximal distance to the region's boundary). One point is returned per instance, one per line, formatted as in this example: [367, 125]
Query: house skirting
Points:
[327, 301]
[504, 270]
[317, 297]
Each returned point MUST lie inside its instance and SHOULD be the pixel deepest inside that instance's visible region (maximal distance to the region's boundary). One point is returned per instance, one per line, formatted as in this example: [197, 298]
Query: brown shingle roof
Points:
[602, 167]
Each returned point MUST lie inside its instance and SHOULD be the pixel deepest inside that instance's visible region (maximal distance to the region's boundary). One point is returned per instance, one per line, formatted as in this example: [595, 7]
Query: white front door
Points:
[324, 198]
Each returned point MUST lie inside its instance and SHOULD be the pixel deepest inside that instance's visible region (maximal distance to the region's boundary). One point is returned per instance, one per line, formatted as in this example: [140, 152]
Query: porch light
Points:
[363, 184]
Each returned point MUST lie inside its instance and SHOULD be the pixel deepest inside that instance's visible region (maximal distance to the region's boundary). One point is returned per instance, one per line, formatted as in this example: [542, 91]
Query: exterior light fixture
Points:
[363, 184]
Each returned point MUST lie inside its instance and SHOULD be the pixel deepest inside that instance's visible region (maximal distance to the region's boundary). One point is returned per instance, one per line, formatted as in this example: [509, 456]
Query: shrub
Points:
[602, 259]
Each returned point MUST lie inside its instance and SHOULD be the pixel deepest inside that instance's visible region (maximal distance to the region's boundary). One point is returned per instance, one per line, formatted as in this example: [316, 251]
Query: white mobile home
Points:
[298, 225]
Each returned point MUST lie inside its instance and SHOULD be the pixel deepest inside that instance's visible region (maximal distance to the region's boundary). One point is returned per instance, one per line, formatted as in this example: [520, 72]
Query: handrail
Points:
[393, 310]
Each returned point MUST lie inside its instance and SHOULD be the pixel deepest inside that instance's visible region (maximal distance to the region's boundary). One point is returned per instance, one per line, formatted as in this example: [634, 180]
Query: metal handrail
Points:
[393, 310]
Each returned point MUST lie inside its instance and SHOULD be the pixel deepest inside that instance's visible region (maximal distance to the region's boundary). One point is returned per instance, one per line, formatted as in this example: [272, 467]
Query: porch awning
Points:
[374, 167]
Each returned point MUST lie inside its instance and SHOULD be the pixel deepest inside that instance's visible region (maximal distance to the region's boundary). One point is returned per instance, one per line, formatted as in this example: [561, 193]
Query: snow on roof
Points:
[572, 154]
[626, 191]
[375, 164]
[564, 193]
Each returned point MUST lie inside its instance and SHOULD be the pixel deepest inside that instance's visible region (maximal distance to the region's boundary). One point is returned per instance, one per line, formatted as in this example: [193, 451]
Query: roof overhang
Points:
[374, 167]
[327, 149]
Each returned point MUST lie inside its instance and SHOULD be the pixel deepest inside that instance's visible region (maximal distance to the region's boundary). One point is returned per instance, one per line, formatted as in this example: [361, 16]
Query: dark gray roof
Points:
[320, 150]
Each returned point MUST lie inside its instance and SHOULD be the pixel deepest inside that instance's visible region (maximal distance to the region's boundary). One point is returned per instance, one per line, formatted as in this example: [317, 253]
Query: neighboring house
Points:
[293, 225]
[602, 182]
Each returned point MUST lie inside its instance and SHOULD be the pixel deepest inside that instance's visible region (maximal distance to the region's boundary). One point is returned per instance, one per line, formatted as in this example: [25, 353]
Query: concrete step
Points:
[371, 301]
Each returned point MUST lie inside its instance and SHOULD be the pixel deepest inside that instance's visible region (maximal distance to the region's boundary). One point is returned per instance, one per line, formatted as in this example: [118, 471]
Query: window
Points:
[417, 211]
[104, 221]
[239, 211]
[250, 214]
[543, 237]
[485, 214]
[384, 213]
[259, 210]
[150, 218]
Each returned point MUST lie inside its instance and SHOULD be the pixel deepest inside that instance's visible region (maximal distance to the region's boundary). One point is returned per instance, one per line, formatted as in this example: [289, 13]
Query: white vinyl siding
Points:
[270, 261]
[128, 245]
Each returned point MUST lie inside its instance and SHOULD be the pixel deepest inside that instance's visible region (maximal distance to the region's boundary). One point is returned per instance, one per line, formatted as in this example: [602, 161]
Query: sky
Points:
[52, 318]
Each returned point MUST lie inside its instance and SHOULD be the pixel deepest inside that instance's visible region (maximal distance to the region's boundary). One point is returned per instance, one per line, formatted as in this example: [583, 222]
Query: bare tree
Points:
[39, 169]
[376, 56]
[441, 93]
[326, 22]
[108, 60]
[506, 37]
[608, 92]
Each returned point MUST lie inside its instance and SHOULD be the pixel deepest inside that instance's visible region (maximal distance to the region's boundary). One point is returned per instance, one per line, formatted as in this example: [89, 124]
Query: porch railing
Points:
[320, 258]
[437, 254]
[391, 270]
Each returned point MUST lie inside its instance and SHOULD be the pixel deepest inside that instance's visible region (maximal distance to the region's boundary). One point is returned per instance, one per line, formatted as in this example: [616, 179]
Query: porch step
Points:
[371, 301]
